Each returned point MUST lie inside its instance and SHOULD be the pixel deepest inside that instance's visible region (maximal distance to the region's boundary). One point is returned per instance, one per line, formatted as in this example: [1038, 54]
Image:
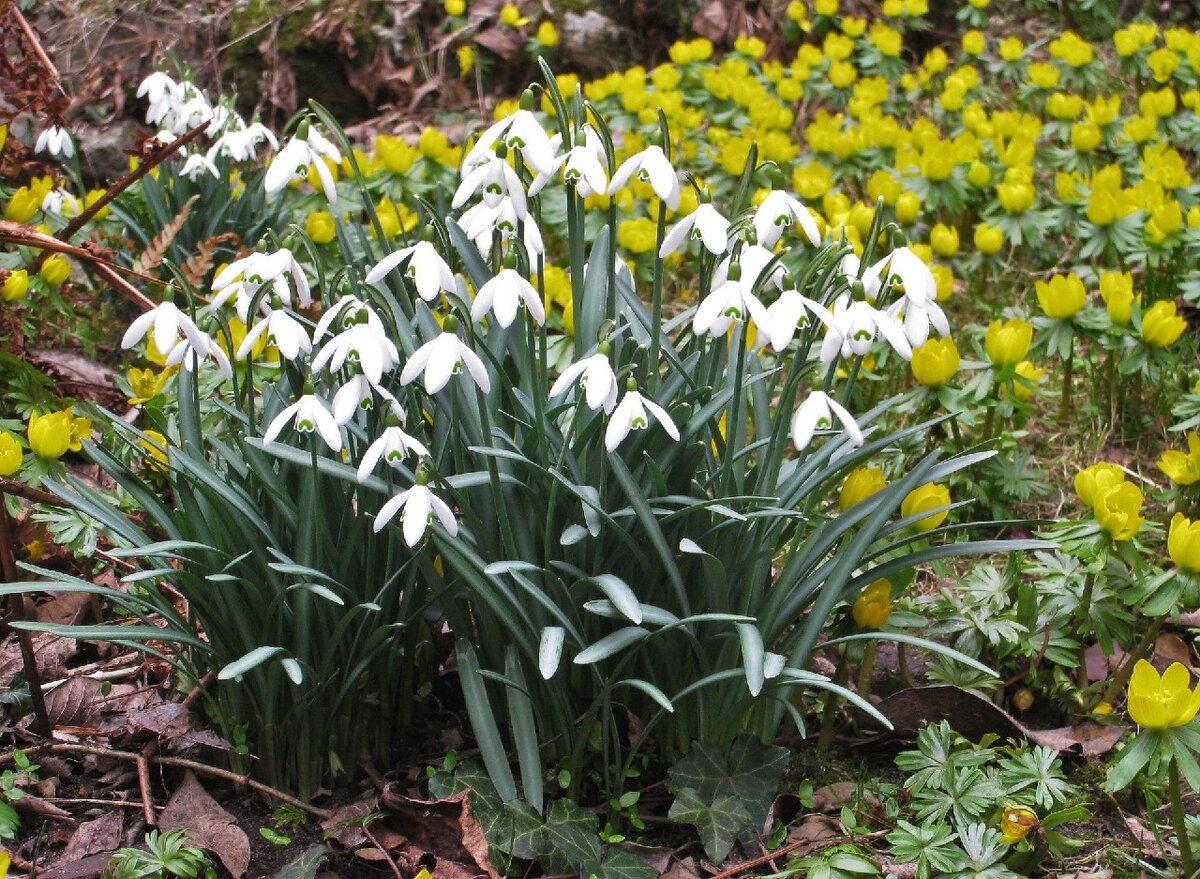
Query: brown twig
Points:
[178, 762]
[745, 866]
[18, 609]
[90, 801]
[143, 777]
[36, 45]
[36, 495]
[391, 862]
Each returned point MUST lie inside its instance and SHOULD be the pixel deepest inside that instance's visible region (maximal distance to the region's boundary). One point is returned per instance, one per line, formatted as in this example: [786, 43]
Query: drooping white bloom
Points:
[779, 211]
[292, 162]
[57, 141]
[521, 132]
[427, 270]
[596, 377]
[630, 414]
[188, 353]
[481, 222]
[60, 203]
[784, 316]
[393, 446]
[652, 166]
[309, 413]
[441, 358]
[240, 141]
[851, 328]
[351, 397]
[244, 278]
[197, 164]
[363, 344]
[494, 179]
[730, 301]
[705, 223]
[503, 295]
[283, 331]
[919, 318]
[419, 504]
[902, 263]
[168, 324]
[582, 165]
[162, 93]
[754, 260]
[817, 413]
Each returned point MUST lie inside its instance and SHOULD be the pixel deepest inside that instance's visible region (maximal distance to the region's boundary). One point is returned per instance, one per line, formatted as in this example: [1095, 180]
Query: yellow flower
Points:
[50, 435]
[1016, 822]
[1032, 375]
[908, 207]
[988, 239]
[81, 429]
[1162, 702]
[1008, 343]
[1011, 48]
[935, 363]
[455, 7]
[637, 235]
[860, 484]
[55, 270]
[944, 240]
[1161, 326]
[1085, 136]
[929, 496]
[873, 606]
[1116, 289]
[1043, 75]
[973, 42]
[1062, 296]
[10, 454]
[1182, 468]
[320, 227]
[979, 174]
[16, 284]
[749, 46]
[511, 16]
[547, 34]
[146, 384]
[397, 156]
[1183, 543]
[155, 446]
[466, 59]
[1092, 480]
[943, 279]
[825, 7]
[1117, 510]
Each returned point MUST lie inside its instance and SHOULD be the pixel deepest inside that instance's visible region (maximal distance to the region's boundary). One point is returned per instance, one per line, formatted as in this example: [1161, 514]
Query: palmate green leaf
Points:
[718, 821]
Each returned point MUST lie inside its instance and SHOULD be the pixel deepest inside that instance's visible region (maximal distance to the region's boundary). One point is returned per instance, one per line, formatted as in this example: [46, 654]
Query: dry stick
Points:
[120, 186]
[37, 495]
[745, 866]
[151, 748]
[181, 763]
[391, 862]
[18, 610]
[36, 45]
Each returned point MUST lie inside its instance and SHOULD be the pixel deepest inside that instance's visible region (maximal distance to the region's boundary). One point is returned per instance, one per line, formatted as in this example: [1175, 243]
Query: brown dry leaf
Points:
[38, 806]
[169, 719]
[1143, 836]
[832, 797]
[1101, 666]
[94, 837]
[1169, 648]
[209, 826]
[970, 716]
[72, 368]
[65, 609]
[74, 703]
[504, 43]
[446, 827]
[712, 21]
[347, 821]
[656, 856]
[1087, 739]
[197, 738]
[901, 871]
[684, 868]
[813, 833]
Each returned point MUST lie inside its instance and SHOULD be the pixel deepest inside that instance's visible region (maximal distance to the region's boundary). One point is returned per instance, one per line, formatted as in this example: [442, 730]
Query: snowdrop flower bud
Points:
[817, 413]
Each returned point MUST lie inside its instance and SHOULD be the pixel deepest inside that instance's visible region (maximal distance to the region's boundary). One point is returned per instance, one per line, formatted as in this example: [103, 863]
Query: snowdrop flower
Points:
[283, 331]
[442, 357]
[582, 165]
[732, 300]
[705, 223]
[779, 211]
[351, 397]
[244, 277]
[521, 132]
[816, 413]
[481, 222]
[168, 324]
[650, 165]
[364, 344]
[55, 140]
[60, 203]
[307, 147]
[596, 377]
[420, 504]
[197, 164]
[630, 414]
[919, 318]
[427, 270]
[784, 316]
[162, 93]
[348, 309]
[503, 294]
[309, 413]
[393, 447]
[240, 141]
[494, 179]
[851, 328]
[902, 263]
[754, 259]
[189, 354]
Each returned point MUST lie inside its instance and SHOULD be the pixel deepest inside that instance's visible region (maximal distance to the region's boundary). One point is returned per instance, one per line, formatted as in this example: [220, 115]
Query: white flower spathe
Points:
[630, 414]
[521, 132]
[596, 377]
[427, 270]
[393, 446]
[731, 301]
[652, 166]
[168, 324]
[705, 223]
[419, 504]
[503, 295]
[283, 331]
[291, 163]
[309, 413]
[57, 141]
[779, 211]
[817, 413]
[441, 358]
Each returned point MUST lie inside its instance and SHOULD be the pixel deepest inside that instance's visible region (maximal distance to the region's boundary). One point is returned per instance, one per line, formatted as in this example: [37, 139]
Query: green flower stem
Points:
[1064, 408]
[1081, 619]
[989, 422]
[1121, 678]
[656, 300]
[829, 714]
[866, 669]
[1177, 818]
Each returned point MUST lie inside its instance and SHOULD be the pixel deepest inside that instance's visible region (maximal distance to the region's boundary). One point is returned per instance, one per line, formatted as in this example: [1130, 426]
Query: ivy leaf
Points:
[755, 770]
[619, 864]
[718, 821]
[305, 865]
[569, 839]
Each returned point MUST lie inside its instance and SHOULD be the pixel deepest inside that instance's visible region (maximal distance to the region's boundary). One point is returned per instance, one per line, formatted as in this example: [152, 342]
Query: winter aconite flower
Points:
[1162, 702]
[935, 362]
[1016, 822]
[1161, 326]
[1061, 297]
[860, 484]
[15, 285]
[873, 606]
[1117, 509]
[10, 454]
[1183, 543]
[50, 435]
[1182, 468]
[929, 496]
[1007, 343]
